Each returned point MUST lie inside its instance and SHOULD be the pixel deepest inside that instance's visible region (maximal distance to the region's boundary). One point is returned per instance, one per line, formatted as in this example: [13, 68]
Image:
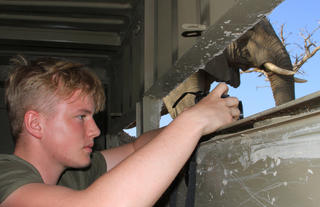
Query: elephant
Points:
[259, 47]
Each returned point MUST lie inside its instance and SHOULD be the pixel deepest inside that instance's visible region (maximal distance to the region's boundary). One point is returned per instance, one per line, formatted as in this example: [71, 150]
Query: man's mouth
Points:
[88, 147]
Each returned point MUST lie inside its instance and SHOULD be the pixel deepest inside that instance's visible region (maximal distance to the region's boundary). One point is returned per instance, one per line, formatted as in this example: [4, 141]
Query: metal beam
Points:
[43, 18]
[243, 15]
[73, 4]
[61, 53]
[148, 110]
[52, 35]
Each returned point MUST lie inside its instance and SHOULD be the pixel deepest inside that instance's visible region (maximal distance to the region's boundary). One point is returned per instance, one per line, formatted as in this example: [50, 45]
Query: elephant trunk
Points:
[282, 84]
[282, 87]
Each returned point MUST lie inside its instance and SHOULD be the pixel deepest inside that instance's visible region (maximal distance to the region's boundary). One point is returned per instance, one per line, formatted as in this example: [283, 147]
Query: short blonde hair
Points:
[39, 84]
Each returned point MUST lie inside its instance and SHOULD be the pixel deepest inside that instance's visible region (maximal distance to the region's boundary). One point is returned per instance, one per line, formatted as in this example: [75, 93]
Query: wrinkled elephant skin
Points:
[258, 46]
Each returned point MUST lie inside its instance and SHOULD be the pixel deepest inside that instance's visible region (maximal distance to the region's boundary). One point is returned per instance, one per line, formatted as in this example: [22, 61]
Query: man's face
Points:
[69, 131]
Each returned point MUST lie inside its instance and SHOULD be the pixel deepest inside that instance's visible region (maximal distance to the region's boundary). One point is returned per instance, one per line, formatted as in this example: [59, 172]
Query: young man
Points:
[51, 105]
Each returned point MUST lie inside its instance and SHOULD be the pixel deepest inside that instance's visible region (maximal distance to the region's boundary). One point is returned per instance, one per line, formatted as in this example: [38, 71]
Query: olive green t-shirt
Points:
[16, 172]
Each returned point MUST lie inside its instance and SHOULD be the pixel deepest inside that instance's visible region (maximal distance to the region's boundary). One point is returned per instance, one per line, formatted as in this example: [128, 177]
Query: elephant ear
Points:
[220, 71]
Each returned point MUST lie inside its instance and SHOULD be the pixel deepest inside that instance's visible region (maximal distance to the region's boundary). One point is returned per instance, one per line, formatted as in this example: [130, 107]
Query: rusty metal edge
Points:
[308, 104]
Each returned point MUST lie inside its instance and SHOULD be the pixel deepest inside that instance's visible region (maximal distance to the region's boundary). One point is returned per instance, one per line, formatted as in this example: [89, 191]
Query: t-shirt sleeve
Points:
[79, 179]
[14, 173]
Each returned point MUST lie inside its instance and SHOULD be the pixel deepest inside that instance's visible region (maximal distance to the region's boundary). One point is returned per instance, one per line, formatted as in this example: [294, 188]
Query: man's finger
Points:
[232, 101]
[220, 89]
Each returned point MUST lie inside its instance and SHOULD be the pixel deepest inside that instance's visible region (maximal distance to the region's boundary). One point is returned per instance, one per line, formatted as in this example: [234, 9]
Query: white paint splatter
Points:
[310, 171]
[227, 33]
[210, 44]
[211, 196]
[224, 182]
[244, 159]
[221, 192]
[225, 171]
[272, 164]
[236, 34]
[302, 143]
[227, 22]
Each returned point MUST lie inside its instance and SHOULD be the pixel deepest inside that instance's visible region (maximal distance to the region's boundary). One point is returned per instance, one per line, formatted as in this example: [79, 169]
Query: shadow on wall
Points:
[6, 143]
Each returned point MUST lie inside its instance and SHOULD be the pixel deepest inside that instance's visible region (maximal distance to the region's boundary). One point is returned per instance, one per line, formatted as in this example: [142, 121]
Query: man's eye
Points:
[81, 117]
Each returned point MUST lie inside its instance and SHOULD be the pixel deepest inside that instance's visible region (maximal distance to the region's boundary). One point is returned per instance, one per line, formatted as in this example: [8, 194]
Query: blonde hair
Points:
[39, 84]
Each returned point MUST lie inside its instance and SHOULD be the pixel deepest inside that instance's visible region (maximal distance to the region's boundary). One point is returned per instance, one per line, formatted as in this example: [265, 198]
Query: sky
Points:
[297, 16]
[255, 92]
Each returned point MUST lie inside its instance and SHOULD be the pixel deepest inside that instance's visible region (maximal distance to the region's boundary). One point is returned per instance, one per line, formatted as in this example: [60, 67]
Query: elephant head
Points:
[259, 47]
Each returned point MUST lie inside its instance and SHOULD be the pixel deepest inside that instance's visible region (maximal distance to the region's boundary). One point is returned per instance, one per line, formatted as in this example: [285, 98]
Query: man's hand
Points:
[212, 112]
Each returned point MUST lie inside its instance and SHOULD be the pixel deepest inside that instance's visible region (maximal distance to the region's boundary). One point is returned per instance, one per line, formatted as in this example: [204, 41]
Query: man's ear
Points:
[32, 122]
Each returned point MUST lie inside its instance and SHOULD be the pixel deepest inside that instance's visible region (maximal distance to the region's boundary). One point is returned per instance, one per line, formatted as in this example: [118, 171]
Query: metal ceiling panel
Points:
[76, 22]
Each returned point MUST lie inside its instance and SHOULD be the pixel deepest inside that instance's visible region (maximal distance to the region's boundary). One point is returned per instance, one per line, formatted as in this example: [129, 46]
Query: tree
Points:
[309, 48]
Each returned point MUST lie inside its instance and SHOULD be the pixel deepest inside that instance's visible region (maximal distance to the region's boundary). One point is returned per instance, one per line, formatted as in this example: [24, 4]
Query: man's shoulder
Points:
[7, 157]
[12, 163]
[15, 172]
[10, 158]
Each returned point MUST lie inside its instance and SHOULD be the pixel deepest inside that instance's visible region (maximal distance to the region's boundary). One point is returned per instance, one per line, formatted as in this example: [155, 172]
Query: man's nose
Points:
[93, 130]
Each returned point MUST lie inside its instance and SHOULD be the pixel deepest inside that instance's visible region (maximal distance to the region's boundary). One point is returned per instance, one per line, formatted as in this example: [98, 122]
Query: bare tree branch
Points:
[282, 36]
[263, 72]
[310, 49]
[257, 70]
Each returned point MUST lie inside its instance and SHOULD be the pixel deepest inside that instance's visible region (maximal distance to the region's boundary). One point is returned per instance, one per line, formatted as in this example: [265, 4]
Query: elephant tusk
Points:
[272, 67]
[299, 80]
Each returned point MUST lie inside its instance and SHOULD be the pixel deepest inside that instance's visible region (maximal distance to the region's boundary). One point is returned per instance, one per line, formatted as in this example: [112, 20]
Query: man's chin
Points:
[84, 163]
[87, 164]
